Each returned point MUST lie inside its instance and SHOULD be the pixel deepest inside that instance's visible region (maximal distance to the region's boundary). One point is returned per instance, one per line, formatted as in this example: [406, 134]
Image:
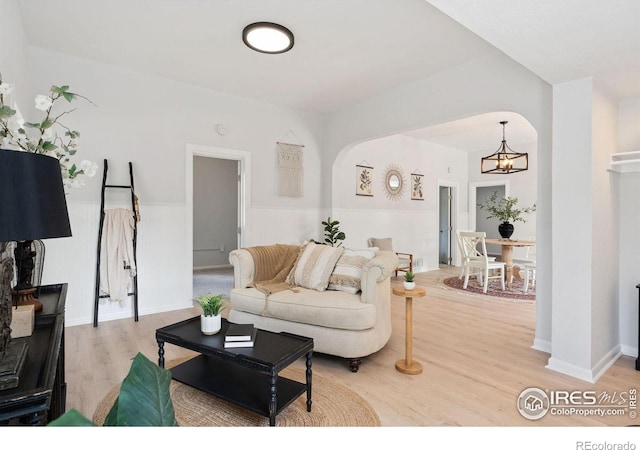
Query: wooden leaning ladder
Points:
[136, 213]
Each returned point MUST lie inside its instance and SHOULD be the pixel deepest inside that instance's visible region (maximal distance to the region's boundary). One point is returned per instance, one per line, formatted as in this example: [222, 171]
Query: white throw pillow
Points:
[314, 266]
[347, 274]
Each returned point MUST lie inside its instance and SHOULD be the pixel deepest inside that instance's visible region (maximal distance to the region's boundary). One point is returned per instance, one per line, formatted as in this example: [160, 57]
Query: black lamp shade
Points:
[32, 198]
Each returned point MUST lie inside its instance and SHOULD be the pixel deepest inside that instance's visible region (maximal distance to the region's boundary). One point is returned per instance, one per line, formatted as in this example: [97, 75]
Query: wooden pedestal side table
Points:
[408, 365]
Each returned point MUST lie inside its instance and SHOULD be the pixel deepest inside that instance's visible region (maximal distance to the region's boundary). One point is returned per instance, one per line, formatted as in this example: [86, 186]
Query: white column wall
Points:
[572, 172]
[585, 327]
[606, 253]
[629, 238]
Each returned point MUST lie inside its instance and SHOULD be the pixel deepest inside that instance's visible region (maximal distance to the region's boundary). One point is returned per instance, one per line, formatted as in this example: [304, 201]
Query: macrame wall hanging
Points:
[290, 170]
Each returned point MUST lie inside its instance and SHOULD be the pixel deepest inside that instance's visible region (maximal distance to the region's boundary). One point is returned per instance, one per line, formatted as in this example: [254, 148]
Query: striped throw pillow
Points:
[314, 266]
[347, 275]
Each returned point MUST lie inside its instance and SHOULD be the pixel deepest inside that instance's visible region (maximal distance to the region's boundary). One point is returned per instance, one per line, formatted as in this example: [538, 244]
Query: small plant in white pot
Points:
[409, 283]
[210, 319]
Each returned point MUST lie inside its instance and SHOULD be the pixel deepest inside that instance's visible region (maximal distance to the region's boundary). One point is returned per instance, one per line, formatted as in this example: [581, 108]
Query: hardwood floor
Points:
[476, 353]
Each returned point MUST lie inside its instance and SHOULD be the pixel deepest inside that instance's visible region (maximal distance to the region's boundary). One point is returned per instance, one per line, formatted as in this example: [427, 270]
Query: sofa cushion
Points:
[314, 266]
[331, 309]
[347, 274]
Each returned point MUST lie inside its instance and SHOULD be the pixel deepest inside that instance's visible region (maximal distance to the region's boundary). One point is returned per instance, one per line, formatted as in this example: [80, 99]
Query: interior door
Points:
[489, 226]
[445, 225]
[215, 211]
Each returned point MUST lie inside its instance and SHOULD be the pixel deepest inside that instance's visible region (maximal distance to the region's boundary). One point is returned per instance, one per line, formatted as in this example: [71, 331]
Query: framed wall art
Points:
[364, 180]
[417, 186]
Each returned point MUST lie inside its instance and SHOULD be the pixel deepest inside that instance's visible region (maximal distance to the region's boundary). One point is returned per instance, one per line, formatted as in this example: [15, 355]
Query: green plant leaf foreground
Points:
[72, 418]
[144, 397]
[144, 400]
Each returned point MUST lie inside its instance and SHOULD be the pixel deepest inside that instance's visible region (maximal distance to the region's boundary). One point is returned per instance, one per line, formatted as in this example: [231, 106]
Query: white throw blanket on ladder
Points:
[117, 253]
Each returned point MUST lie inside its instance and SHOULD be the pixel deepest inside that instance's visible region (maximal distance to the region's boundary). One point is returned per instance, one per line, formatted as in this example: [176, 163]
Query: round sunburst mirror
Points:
[394, 182]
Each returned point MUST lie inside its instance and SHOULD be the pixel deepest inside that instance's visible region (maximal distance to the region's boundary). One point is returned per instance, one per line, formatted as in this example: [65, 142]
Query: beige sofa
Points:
[342, 324]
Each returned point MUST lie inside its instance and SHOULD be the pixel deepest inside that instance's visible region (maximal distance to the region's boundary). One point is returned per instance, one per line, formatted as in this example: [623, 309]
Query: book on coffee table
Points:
[240, 332]
[240, 344]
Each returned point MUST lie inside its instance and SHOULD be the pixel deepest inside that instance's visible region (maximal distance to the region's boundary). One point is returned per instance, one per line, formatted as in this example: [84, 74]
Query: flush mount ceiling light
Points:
[505, 160]
[267, 37]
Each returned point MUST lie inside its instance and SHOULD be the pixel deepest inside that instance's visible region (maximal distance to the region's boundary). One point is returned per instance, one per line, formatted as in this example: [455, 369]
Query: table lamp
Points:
[32, 206]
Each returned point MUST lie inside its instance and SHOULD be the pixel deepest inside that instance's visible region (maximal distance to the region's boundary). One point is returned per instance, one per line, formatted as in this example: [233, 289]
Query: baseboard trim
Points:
[542, 345]
[570, 369]
[129, 314]
[606, 361]
[222, 266]
[590, 375]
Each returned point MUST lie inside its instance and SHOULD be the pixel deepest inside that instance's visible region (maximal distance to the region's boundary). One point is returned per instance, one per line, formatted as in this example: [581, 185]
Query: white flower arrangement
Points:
[40, 137]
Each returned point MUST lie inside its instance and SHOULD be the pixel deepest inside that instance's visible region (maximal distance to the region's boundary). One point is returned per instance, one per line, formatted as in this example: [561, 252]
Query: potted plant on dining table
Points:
[504, 209]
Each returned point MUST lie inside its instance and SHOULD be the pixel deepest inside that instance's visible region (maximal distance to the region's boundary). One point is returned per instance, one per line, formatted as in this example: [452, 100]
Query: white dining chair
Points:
[528, 267]
[529, 276]
[519, 261]
[468, 248]
[478, 262]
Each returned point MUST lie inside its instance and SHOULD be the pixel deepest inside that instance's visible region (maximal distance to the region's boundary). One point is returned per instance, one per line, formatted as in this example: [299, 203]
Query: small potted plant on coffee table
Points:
[409, 283]
[210, 319]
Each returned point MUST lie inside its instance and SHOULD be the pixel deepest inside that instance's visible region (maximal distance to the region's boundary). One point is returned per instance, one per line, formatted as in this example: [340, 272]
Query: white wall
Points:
[149, 121]
[413, 224]
[629, 213]
[13, 52]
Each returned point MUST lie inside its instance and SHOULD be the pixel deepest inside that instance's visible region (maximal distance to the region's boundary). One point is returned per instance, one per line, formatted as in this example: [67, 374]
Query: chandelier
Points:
[504, 160]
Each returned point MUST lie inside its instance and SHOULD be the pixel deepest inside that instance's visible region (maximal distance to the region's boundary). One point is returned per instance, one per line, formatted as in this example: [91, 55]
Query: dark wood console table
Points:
[41, 395]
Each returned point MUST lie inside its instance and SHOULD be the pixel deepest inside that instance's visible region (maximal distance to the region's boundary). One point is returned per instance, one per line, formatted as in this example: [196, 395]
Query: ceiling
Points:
[482, 132]
[344, 52]
[348, 50]
[561, 40]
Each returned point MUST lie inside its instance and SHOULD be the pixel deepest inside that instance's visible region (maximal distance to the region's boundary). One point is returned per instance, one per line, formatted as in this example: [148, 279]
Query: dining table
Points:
[507, 253]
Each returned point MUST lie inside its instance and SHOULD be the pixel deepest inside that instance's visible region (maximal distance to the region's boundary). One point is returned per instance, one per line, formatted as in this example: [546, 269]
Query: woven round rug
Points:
[333, 406]
[493, 290]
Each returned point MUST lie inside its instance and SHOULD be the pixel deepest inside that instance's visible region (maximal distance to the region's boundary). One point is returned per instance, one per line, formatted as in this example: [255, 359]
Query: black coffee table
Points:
[247, 377]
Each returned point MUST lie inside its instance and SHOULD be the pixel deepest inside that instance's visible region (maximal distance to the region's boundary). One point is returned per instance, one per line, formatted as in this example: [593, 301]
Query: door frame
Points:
[244, 189]
[455, 258]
